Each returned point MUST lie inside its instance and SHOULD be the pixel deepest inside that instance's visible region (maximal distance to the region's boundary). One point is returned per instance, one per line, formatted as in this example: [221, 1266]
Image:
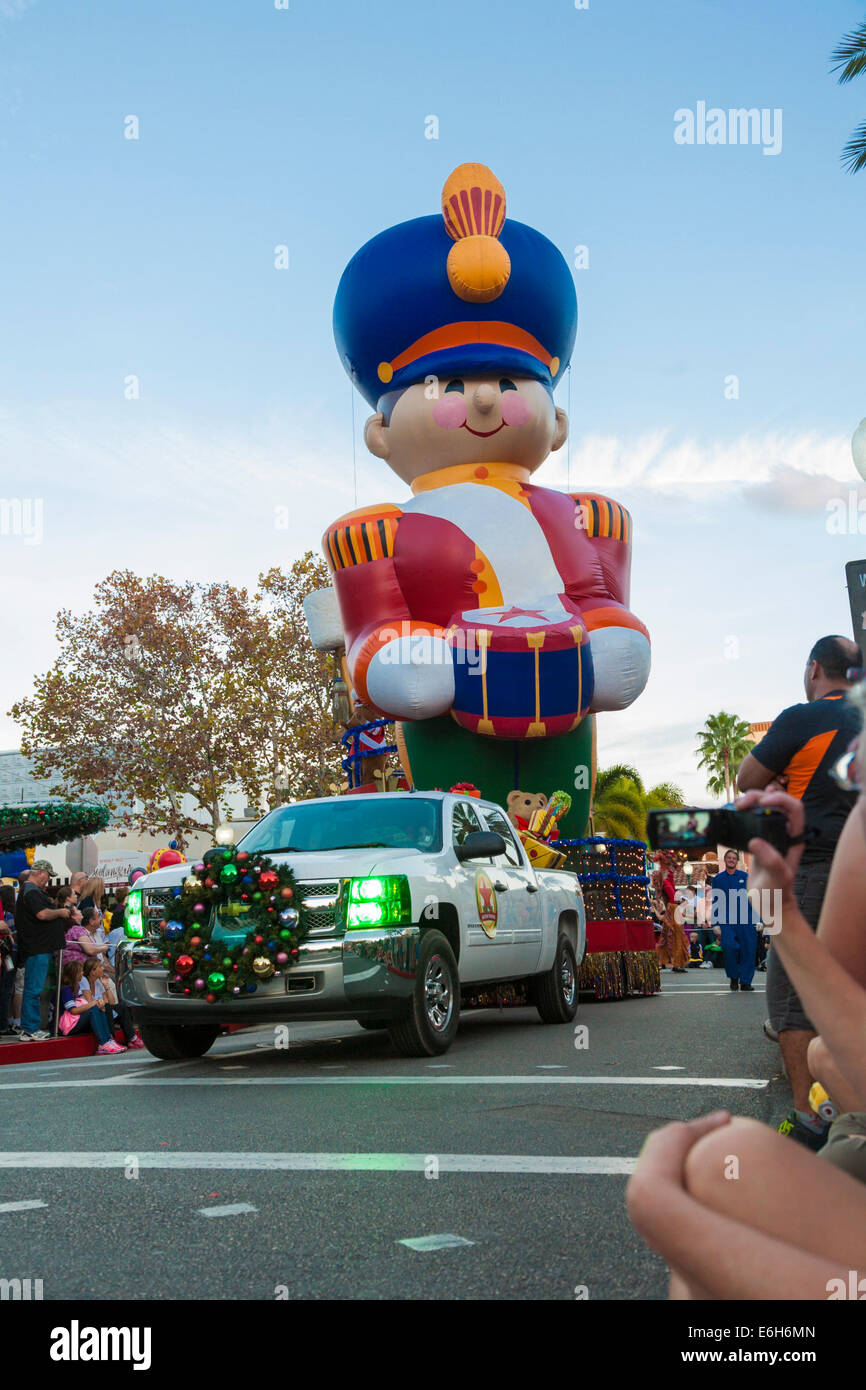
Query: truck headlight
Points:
[378, 902]
[134, 920]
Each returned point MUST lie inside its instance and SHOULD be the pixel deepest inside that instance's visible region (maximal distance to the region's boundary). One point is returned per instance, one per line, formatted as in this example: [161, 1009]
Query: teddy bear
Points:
[521, 805]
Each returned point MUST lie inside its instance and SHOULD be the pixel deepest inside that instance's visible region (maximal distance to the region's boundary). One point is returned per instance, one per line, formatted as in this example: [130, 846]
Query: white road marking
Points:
[747, 1083]
[320, 1162]
[236, 1209]
[716, 991]
[550, 1066]
[668, 1068]
[443, 1242]
[21, 1206]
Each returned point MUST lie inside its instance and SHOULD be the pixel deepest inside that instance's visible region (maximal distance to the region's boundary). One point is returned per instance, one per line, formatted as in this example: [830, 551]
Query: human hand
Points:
[663, 1156]
[771, 871]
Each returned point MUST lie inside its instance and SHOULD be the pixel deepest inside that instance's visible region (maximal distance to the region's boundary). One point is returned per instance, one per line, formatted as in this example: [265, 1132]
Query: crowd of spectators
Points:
[71, 929]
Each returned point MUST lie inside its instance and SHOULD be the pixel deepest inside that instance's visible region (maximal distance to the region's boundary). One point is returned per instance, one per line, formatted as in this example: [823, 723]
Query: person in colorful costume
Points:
[488, 615]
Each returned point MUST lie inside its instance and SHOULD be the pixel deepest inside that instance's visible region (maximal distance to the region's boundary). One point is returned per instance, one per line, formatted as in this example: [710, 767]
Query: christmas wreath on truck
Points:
[236, 922]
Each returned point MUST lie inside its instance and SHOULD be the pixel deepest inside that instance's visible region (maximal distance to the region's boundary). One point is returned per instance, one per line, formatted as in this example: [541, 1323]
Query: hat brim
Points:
[471, 359]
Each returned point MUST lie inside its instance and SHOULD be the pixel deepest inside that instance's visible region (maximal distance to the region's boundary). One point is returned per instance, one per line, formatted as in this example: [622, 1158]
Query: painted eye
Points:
[455, 385]
[507, 385]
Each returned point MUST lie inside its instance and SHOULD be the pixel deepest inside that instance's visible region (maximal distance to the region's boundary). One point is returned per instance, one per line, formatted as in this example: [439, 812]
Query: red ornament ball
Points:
[195, 941]
[211, 998]
[259, 940]
[286, 893]
[184, 964]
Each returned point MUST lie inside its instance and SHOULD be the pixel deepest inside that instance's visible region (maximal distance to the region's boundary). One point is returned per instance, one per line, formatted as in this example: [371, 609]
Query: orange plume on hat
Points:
[473, 206]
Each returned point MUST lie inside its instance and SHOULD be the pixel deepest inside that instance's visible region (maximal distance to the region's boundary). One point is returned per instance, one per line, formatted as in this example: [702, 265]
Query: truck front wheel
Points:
[556, 992]
[174, 1042]
[429, 1027]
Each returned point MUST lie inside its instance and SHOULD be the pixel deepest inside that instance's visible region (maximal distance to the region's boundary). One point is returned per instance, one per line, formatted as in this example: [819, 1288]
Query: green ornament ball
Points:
[216, 981]
[228, 873]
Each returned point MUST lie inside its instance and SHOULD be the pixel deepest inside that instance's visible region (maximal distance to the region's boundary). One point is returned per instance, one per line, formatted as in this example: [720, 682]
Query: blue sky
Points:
[306, 127]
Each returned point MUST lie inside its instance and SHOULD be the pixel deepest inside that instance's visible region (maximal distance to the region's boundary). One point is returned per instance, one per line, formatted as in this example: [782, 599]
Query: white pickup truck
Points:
[414, 898]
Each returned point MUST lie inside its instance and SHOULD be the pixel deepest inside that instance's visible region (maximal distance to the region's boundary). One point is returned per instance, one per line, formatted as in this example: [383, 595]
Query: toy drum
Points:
[521, 672]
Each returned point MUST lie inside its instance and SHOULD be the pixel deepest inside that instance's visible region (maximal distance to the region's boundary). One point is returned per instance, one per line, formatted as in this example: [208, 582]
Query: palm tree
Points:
[723, 743]
[618, 807]
[620, 804]
[849, 55]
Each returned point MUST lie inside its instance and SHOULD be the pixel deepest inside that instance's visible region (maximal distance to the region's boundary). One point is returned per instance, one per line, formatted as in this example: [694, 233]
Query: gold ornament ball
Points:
[191, 882]
[263, 967]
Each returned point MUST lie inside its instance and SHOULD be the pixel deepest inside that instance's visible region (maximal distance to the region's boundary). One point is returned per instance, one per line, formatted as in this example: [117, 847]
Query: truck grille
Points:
[319, 898]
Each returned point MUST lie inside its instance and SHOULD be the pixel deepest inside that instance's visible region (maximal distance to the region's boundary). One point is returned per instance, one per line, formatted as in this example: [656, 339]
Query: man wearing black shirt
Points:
[798, 752]
[41, 931]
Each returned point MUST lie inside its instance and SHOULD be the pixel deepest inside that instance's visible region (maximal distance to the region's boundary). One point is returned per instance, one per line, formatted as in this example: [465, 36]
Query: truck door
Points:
[526, 906]
[487, 911]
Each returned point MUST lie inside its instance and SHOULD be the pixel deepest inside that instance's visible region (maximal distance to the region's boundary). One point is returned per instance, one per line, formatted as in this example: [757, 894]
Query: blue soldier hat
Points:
[467, 292]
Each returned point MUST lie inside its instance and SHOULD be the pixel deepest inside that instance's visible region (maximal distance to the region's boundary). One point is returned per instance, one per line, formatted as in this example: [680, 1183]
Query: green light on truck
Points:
[378, 902]
[134, 920]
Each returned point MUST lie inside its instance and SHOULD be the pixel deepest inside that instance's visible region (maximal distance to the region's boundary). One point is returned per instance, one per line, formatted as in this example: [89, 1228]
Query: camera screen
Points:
[678, 829]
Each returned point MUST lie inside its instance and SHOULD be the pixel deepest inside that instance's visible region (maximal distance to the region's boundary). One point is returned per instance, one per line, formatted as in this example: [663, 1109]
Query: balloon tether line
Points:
[354, 460]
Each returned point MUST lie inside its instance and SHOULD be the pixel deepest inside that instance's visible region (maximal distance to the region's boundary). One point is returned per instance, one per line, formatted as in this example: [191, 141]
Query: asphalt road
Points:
[331, 1150]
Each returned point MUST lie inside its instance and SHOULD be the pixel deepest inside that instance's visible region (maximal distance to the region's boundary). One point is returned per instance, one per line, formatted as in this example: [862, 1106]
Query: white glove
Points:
[412, 677]
[621, 665]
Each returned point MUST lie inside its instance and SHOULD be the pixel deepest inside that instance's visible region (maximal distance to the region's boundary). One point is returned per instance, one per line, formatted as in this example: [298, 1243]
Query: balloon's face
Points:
[465, 421]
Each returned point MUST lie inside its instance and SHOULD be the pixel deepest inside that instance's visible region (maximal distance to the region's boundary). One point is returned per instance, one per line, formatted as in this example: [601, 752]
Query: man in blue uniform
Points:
[732, 911]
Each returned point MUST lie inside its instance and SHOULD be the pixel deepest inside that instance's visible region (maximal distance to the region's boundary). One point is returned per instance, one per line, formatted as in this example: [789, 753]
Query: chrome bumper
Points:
[362, 973]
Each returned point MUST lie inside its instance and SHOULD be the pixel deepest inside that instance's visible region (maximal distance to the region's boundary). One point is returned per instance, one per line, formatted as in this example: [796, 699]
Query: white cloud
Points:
[780, 470]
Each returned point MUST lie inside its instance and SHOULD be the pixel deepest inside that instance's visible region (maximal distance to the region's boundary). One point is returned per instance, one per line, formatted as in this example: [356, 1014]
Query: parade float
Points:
[485, 617]
[23, 825]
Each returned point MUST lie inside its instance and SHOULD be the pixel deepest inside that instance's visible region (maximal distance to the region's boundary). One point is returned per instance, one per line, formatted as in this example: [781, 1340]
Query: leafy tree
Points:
[723, 743]
[849, 60]
[166, 697]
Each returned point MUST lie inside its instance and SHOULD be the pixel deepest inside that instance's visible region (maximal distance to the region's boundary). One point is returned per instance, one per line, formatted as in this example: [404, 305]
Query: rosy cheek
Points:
[449, 412]
[516, 409]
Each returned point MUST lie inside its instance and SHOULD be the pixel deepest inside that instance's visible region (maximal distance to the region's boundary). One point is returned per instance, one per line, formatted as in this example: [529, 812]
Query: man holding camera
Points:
[798, 753]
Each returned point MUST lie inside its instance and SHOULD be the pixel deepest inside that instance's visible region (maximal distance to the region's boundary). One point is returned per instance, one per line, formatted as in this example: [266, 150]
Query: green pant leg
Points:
[442, 753]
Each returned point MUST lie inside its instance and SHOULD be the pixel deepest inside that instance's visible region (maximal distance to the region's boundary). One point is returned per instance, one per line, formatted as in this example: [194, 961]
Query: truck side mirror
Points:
[480, 844]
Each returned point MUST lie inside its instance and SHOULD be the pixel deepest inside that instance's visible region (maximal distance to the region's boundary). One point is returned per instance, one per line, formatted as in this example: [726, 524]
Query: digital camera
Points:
[695, 828]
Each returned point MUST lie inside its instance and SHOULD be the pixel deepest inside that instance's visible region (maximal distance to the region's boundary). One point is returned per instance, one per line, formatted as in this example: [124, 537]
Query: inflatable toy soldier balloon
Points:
[490, 616]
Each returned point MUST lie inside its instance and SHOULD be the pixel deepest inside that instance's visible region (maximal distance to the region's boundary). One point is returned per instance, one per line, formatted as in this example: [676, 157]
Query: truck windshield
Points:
[354, 822]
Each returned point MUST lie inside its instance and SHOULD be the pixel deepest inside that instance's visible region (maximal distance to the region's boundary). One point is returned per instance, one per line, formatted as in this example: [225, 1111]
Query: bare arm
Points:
[842, 928]
[753, 776]
[833, 1000]
[90, 947]
[48, 914]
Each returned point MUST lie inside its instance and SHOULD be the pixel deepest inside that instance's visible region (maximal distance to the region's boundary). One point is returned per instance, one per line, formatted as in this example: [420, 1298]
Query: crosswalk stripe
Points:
[322, 1162]
[21, 1206]
[141, 1083]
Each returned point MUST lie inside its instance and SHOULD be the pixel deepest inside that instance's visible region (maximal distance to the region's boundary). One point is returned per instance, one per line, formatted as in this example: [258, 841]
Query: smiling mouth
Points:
[484, 434]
